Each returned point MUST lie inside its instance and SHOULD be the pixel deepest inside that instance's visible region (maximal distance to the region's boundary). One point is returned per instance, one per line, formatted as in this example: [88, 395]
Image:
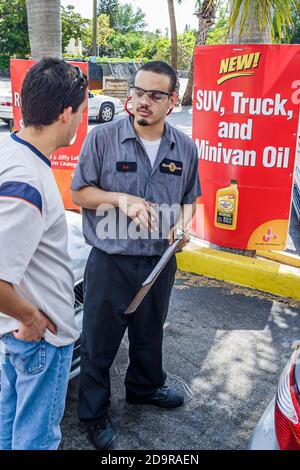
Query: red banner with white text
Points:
[245, 125]
[64, 160]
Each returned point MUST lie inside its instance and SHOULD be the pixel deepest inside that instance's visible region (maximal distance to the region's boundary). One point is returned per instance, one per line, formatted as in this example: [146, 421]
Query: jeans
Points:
[34, 382]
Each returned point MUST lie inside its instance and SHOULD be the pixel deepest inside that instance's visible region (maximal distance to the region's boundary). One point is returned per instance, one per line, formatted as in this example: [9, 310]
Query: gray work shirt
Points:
[113, 158]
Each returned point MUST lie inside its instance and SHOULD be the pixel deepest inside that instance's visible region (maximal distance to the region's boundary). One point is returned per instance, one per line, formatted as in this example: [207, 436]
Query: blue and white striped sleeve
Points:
[21, 228]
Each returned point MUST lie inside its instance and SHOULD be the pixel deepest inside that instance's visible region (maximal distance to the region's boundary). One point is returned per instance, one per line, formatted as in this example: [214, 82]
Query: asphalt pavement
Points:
[224, 348]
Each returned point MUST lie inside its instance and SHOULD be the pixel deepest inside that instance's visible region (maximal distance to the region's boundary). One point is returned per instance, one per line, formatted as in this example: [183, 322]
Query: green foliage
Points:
[122, 17]
[162, 50]
[292, 35]
[4, 62]
[109, 8]
[158, 47]
[118, 59]
[126, 45]
[104, 32]
[14, 39]
[73, 26]
[154, 45]
[66, 55]
[219, 32]
[129, 20]
[186, 45]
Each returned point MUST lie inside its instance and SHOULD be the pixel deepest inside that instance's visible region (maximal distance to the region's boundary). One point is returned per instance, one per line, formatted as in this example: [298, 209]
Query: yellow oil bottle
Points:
[227, 206]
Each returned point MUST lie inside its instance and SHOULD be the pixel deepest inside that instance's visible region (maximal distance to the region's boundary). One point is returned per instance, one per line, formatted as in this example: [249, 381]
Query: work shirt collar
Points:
[130, 133]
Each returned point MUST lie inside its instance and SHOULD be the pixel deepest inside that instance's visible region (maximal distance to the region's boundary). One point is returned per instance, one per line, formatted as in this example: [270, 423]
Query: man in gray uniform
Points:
[130, 173]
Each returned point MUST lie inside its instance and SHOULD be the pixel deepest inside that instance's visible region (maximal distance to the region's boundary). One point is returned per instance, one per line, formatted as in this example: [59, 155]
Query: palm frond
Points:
[266, 12]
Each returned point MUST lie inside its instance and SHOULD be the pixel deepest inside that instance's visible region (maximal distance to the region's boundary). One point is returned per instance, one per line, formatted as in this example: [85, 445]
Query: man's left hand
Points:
[183, 242]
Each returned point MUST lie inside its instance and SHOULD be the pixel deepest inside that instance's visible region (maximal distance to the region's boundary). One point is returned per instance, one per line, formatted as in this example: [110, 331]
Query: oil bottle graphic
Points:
[227, 206]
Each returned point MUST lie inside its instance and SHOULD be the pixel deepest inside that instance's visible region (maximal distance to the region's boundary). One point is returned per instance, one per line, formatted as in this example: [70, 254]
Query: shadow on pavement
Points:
[225, 348]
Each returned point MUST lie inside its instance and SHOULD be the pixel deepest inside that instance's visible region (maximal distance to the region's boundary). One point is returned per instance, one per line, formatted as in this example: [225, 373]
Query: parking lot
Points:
[225, 347]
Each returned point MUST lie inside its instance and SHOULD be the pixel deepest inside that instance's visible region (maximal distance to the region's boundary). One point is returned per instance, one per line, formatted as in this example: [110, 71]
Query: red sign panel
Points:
[64, 160]
[245, 124]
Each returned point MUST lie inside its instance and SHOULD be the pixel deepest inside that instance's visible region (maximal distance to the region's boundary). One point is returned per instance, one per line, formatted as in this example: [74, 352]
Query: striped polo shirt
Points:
[33, 239]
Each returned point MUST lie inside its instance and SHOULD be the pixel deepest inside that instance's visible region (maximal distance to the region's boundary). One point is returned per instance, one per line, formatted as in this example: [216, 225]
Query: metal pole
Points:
[94, 28]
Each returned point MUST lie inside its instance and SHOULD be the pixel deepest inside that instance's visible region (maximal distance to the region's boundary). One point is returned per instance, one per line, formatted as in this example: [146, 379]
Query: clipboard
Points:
[148, 283]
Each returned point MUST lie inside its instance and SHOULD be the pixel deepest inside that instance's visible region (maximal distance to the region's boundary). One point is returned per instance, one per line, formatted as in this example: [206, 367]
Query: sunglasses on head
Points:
[79, 79]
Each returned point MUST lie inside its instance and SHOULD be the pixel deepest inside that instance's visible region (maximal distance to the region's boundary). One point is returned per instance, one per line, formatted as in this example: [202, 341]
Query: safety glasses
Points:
[154, 95]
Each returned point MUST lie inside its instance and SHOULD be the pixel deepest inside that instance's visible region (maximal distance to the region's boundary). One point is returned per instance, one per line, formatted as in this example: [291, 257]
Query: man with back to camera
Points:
[131, 167]
[37, 325]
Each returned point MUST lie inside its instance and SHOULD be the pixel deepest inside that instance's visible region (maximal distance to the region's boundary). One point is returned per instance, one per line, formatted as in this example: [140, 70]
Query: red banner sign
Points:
[64, 160]
[245, 124]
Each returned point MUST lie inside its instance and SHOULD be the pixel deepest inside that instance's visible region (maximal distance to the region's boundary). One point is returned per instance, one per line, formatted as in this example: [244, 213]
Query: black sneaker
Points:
[164, 397]
[101, 434]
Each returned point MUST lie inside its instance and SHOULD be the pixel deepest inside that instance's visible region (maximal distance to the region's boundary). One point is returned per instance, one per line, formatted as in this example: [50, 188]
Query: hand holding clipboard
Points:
[148, 283]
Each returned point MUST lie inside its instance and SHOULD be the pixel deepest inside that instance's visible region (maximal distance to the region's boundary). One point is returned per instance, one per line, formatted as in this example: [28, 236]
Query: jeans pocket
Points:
[27, 358]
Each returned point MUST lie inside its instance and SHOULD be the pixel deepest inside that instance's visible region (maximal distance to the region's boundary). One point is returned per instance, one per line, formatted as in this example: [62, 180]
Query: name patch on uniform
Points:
[126, 166]
[171, 167]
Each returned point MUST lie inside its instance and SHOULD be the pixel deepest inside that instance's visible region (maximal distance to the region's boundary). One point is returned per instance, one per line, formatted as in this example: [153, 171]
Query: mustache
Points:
[142, 108]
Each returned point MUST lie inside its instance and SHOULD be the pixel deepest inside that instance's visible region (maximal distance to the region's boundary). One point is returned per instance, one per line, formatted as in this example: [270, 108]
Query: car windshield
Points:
[5, 84]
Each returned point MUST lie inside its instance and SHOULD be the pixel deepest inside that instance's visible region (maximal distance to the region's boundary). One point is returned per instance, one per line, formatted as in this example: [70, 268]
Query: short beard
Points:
[143, 122]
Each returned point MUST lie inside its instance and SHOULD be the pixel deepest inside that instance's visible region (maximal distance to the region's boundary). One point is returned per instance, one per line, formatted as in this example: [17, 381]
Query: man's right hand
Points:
[139, 210]
[34, 330]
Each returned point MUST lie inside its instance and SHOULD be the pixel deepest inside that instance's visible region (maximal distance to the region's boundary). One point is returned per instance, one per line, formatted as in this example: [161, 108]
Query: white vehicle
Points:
[79, 252]
[6, 112]
[100, 107]
[103, 108]
[279, 426]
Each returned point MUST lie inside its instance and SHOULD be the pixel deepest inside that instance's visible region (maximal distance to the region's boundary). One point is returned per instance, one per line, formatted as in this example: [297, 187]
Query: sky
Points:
[156, 11]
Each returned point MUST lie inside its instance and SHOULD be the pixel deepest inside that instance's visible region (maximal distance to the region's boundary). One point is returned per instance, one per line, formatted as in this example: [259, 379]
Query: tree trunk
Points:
[252, 33]
[206, 16]
[44, 28]
[173, 34]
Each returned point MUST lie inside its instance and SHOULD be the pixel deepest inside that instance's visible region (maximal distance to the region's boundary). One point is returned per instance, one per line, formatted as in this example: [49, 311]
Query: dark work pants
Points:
[111, 282]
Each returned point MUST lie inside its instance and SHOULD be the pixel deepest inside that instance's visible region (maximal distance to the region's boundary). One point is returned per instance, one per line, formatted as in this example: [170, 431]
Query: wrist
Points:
[30, 316]
[116, 199]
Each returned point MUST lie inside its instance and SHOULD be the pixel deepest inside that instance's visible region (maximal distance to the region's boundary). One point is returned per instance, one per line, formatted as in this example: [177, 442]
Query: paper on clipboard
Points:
[146, 286]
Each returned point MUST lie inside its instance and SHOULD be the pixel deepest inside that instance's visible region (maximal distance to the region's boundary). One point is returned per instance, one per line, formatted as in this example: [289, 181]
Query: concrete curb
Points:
[281, 257]
[265, 275]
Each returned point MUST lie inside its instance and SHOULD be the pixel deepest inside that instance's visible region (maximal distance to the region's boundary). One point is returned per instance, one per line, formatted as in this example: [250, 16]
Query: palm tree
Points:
[253, 22]
[173, 34]
[44, 28]
[250, 21]
[206, 13]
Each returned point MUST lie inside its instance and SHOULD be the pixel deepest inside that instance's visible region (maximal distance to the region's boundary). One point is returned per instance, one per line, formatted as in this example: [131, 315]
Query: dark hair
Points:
[161, 68]
[45, 88]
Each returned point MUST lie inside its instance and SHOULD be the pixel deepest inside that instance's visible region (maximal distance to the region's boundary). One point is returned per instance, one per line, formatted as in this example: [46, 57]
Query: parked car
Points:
[79, 252]
[6, 112]
[103, 108]
[100, 107]
[279, 426]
